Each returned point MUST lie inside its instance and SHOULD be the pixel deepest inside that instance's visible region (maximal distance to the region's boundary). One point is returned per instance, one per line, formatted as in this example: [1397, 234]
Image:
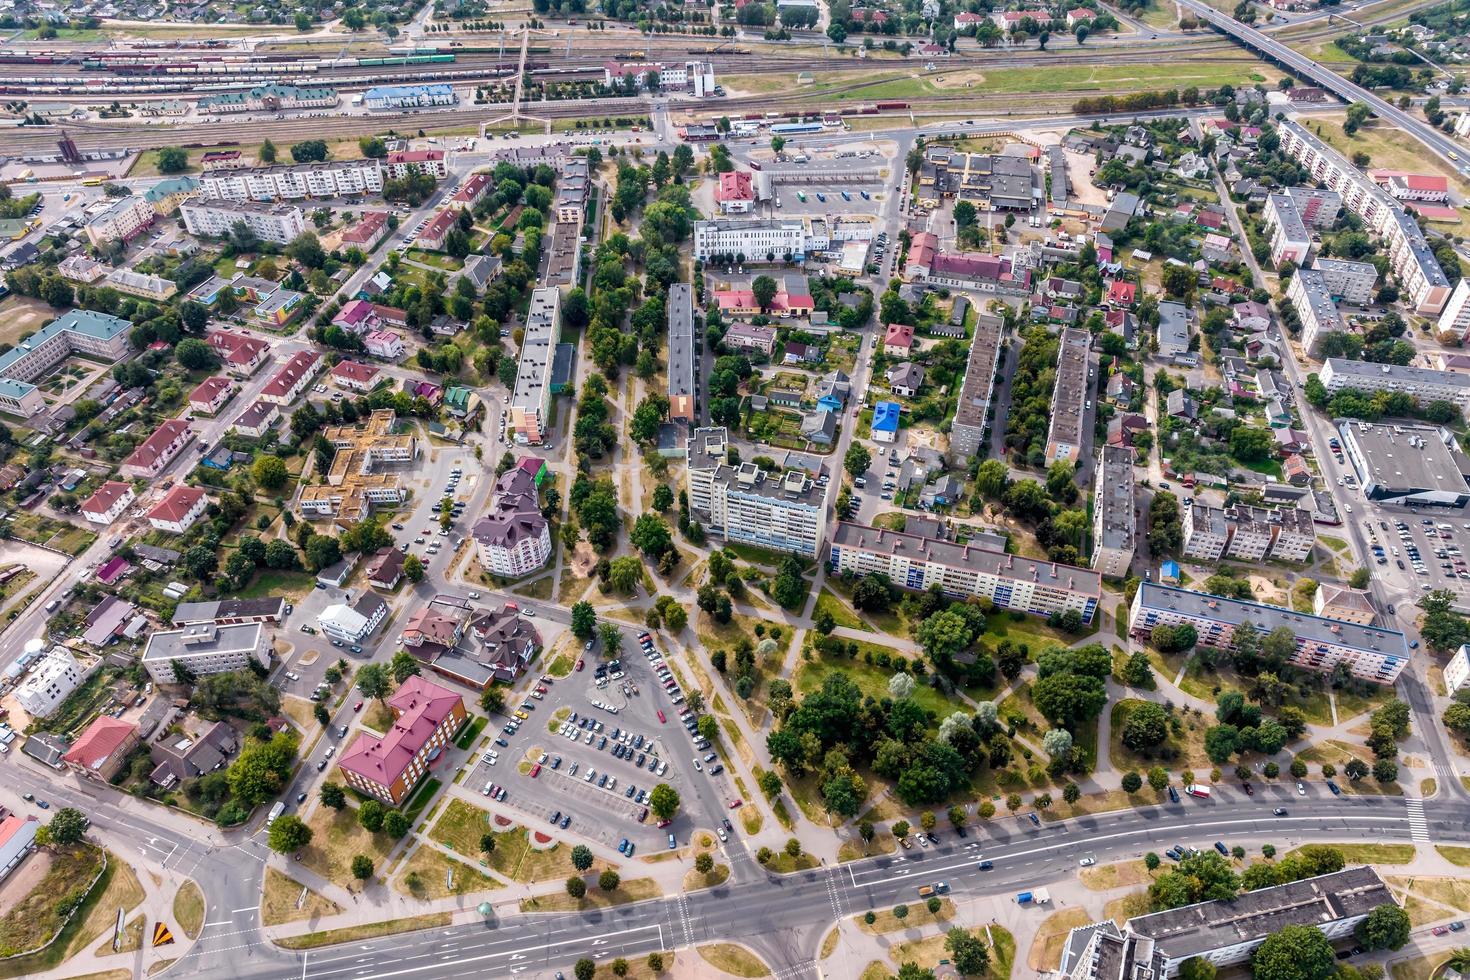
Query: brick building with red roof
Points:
[425, 720]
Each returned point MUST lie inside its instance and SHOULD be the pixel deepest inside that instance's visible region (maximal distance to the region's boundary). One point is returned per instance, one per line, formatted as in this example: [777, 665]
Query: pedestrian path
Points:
[1418, 826]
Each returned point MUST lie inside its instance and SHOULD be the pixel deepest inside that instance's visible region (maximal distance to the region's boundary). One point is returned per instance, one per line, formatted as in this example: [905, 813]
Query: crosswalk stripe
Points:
[1418, 826]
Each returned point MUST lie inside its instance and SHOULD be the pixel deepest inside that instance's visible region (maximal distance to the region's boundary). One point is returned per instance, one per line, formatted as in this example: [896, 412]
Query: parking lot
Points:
[1428, 551]
[612, 735]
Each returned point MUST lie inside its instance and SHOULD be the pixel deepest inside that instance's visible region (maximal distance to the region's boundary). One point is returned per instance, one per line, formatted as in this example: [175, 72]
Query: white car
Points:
[1087, 862]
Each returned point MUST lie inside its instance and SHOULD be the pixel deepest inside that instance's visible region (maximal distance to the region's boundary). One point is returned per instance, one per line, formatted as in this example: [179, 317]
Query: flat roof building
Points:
[1406, 464]
[1226, 933]
[205, 648]
[1290, 240]
[1311, 297]
[1173, 331]
[683, 393]
[1348, 281]
[1114, 522]
[1372, 654]
[1066, 437]
[530, 403]
[972, 411]
[780, 512]
[1009, 581]
[1422, 384]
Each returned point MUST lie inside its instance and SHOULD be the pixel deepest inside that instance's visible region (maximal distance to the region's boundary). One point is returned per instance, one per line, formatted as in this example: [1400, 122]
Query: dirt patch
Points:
[583, 558]
[23, 879]
[20, 315]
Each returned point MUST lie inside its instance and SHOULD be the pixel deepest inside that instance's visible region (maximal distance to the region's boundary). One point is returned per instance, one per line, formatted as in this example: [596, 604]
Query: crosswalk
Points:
[1418, 826]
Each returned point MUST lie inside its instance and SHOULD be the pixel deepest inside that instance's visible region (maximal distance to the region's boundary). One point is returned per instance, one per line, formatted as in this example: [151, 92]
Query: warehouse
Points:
[1406, 464]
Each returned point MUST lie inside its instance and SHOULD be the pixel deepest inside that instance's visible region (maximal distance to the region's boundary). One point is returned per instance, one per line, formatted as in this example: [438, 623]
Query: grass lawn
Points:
[21, 315]
[426, 875]
[471, 732]
[1051, 936]
[854, 850]
[1105, 877]
[929, 951]
[1372, 853]
[839, 611]
[637, 890]
[189, 909]
[274, 582]
[336, 839]
[784, 864]
[1210, 684]
[1190, 746]
[423, 796]
[1459, 856]
[1125, 907]
[461, 826]
[278, 901]
[315, 940]
[694, 881]
[734, 960]
[918, 917]
[1454, 892]
[871, 679]
[121, 891]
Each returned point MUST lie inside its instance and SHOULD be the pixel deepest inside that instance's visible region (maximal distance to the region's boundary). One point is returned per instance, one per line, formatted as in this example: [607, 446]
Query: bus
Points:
[92, 182]
[276, 811]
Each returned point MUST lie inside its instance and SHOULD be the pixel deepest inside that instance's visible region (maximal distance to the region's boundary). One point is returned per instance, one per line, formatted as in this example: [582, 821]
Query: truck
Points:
[1194, 789]
[938, 888]
[1037, 896]
[276, 811]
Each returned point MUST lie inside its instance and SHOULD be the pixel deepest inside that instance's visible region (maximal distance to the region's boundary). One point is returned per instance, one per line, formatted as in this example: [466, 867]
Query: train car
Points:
[893, 105]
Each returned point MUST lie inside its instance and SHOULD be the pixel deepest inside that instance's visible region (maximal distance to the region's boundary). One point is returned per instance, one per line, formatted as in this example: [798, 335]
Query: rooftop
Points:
[202, 639]
[420, 707]
[1405, 457]
[1266, 618]
[1115, 479]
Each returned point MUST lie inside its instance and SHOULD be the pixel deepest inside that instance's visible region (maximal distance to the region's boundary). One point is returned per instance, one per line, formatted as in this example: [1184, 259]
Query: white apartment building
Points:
[1373, 654]
[706, 453]
[205, 648]
[1066, 433]
[1424, 282]
[1290, 241]
[337, 178]
[530, 402]
[354, 623]
[973, 410]
[1348, 281]
[779, 512]
[1114, 523]
[403, 163]
[123, 220]
[1205, 532]
[1424, 384]
[1008, 581]
[1310, 297]
[52, 677]
[750, 240]
[280, 224]
[109, 502]
[513, 539]
[1456, 316]
[1457, 670]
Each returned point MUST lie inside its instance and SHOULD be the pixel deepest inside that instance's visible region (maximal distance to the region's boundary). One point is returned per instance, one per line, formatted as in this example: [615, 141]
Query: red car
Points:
[536, 770]
[357, 706]
[1441, 930]
[579, 663]
[664, 823]
[541, 689]
[736, 804]
[661, 719]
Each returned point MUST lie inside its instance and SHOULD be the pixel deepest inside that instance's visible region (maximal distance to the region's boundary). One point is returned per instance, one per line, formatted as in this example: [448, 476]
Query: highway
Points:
[1307, 69]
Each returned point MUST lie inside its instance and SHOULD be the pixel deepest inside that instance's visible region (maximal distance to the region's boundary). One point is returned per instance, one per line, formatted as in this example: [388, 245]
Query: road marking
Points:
[248, 908]
[1418, 826]
[560, 944]
[1092, 841]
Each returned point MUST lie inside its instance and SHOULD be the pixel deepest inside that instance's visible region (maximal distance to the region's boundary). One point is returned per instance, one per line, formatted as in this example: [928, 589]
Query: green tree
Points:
[288, 834]
[609, 880]
[269, 472]
[857, 460]
[171, 160]
[362, 867]
[582, 857]
[584, 620]
[370, 815]
[1195, 968]
[68, 826]
[764, 289]
[584, 969]
[375, 681]
[1294, 953]
[1386, 927]
[403, 666]
[576, 887]
[968, 954]
[396, 824]
[663, 800]
[333, 796]
[413, 568]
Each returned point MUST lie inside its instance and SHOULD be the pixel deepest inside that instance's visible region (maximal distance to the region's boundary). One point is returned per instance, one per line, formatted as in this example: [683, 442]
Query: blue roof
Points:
[1170, 569]
[829, 403]
[99, 326]
[885, 417]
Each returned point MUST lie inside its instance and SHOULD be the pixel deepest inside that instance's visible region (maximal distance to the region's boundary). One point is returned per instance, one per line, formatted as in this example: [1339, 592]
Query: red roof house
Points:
[100, 751]
[898, 339]
[425, 719]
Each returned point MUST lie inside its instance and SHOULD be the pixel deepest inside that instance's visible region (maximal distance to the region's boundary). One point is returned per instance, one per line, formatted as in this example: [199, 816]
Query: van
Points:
[276, 811]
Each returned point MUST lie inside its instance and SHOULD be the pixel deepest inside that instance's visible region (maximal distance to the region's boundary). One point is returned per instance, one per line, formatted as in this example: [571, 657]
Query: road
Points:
[782, 917]
[1305, 68]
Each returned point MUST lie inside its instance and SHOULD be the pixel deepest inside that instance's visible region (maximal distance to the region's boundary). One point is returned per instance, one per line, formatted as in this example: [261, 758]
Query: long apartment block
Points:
[1066, 437]
[280, 224]
[1114, 520]
[1370, 653]
[340, 178]
[1310, 296]
[1009, 581]
[977, 389]
[1409, 255]
[749, 505]
[530, 402]
[683, 394]
[76, 332]
[1424, 384]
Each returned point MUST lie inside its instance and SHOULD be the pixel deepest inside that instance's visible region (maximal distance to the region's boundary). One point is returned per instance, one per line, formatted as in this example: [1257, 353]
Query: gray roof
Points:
[681, 342]
[1115, 476]
[1266, 618]
[1292, 227]
[1252, 916]
[1313, 287]
[226, 609]
[1404, 458]
[1369, 371]
[1173, 325]
[968, 556]
[190, 641]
